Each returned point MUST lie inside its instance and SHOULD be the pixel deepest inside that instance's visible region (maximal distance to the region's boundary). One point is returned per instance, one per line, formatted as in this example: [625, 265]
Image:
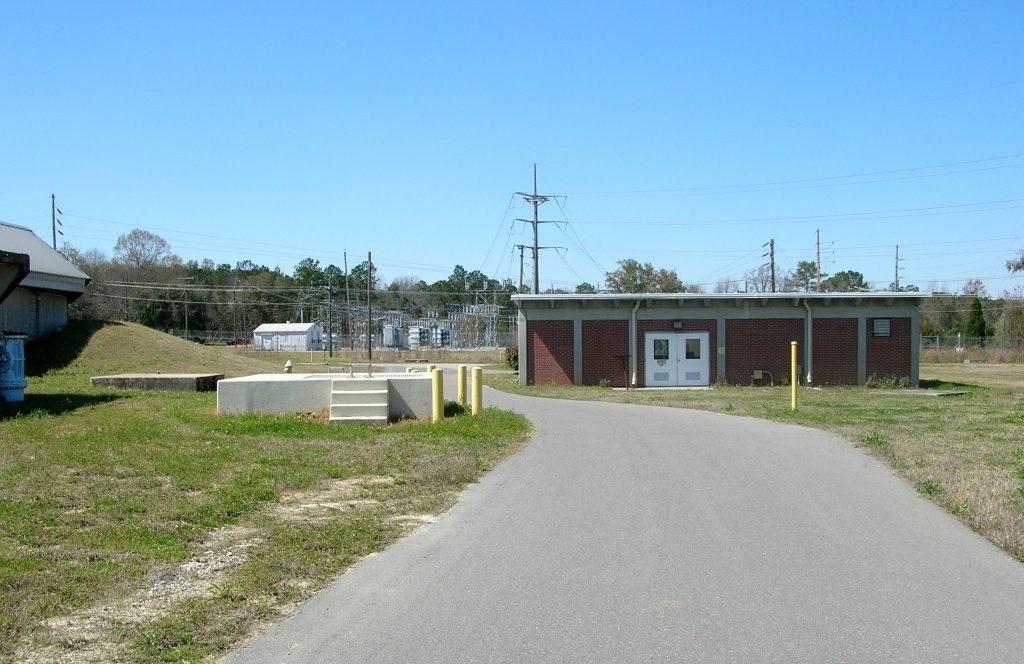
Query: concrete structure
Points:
[288, 336]
[37, 303]
[160, 382]
[646, 340]
[384, 397]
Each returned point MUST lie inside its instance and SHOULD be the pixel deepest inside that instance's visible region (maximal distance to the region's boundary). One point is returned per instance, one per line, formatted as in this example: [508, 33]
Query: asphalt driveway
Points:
[634, 533]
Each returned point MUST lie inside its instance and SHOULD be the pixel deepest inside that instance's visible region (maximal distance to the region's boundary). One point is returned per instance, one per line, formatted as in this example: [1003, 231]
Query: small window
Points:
[881, 327]
[693, 349]
[661, 349]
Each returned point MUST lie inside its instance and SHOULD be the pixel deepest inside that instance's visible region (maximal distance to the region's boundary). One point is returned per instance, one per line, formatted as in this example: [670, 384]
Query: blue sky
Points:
[682, 134]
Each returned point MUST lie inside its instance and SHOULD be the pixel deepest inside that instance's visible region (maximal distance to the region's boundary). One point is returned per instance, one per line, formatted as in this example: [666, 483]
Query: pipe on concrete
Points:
[808, 340]
[478, 390]
[632, 344]
[437, 401]
[462, 384]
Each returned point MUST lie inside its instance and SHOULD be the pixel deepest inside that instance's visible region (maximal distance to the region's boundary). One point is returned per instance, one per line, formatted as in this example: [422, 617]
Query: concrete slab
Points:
[160, 381]
[924, 393]
[409, 394]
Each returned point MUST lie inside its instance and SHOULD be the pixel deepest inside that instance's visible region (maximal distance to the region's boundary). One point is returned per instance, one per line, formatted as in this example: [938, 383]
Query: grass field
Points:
[966, 453]
[141, 526]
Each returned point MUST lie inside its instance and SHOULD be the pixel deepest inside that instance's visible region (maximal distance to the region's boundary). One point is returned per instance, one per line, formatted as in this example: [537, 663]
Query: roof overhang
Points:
[719, 299]
[13, 269]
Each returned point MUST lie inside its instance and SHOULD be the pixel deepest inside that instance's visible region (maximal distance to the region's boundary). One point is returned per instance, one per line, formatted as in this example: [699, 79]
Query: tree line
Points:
[146, 282]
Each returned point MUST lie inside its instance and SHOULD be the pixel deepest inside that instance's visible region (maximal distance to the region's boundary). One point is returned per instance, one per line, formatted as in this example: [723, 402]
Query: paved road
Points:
[639, 534]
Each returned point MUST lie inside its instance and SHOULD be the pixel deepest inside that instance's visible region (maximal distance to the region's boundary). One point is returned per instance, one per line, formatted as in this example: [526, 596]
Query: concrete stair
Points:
[359, 400]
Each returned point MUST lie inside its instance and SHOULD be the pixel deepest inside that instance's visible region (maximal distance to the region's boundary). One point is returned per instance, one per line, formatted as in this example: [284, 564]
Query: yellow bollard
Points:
[793, 378]
[462, 385]
[478, 390]
[438, 385]
[430, 368]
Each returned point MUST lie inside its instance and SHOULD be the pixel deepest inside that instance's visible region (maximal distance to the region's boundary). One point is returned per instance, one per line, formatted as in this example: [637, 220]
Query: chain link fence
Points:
[960, 348]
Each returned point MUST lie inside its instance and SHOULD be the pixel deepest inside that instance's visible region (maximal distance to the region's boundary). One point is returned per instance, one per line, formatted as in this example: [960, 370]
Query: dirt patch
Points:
[90, 635]
[339, 496]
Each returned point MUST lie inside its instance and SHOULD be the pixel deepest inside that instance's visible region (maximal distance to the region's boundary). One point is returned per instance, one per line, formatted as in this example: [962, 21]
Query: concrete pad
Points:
[924, 393]
[409, 395]
[160, 381]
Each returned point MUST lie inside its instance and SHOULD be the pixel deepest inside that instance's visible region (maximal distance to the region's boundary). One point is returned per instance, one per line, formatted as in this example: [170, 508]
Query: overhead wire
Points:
[873, 215]
[501, 225]
[730, 188]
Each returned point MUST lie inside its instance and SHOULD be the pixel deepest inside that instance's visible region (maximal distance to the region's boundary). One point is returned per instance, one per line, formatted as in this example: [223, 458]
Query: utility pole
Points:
[771, 259]
[186, 280]
[348, 306]
[245, 321]
[817, 261]
[54, 211]
[369, 310]
[896, 281]
[520, 247]
[536, 200]
[330, 318]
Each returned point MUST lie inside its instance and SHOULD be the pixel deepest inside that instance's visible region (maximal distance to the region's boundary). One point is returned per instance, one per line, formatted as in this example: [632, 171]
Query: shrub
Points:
[454, 409]
[887, 382]
[512, 357]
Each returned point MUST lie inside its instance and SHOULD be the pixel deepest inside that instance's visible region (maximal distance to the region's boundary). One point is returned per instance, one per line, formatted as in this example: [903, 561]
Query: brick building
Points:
[647, 340]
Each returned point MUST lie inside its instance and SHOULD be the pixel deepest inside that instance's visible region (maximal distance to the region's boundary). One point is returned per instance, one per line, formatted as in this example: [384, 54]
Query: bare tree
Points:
[758, 280]
[142, 250]
[727, 285]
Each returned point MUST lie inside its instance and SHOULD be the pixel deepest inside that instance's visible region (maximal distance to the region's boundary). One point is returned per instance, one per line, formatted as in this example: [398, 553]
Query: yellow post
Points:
[793, 378]
[478, 390]
[438, 384]
[430, 368]
[462, 385]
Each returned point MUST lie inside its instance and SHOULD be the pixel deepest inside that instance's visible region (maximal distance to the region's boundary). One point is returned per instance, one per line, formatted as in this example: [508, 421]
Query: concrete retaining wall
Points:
[409, 394]
[164, 382]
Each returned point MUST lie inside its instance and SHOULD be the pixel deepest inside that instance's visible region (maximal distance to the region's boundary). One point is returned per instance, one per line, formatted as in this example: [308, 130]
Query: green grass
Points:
[103, 493]
[965, 453]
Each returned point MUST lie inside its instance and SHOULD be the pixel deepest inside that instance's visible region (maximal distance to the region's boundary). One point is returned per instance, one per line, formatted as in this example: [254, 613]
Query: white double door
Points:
[677, 359]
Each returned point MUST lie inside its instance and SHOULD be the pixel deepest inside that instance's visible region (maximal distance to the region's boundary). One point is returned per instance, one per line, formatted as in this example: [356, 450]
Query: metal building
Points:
[288, 336]
[38, 303]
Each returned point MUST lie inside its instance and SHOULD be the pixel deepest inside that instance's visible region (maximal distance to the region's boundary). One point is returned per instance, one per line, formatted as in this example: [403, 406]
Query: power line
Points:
[579, 242]
[501, 225]
[727, 188]
[879, 215]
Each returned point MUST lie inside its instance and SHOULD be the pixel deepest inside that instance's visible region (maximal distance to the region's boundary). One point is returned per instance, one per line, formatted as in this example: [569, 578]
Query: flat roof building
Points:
[694, 339]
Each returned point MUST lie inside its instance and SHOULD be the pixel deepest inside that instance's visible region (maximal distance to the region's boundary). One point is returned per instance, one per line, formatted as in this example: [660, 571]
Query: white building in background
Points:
[288, 336]
[37, 303]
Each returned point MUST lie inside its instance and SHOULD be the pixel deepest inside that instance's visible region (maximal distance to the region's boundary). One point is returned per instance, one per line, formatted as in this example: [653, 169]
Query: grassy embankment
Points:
[141, 526]
[964, 452]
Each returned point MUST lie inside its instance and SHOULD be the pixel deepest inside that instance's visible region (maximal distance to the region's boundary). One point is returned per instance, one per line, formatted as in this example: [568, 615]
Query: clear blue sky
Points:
[683, 134]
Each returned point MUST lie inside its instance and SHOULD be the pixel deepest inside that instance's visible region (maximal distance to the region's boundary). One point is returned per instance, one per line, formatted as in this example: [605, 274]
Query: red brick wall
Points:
[890, 356]
[549, 352]
[835, 351]
[603, 342]
[701, 325]
[761, 344]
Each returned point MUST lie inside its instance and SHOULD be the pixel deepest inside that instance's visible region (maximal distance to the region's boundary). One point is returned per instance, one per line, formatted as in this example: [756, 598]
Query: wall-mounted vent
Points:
[881, 327]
